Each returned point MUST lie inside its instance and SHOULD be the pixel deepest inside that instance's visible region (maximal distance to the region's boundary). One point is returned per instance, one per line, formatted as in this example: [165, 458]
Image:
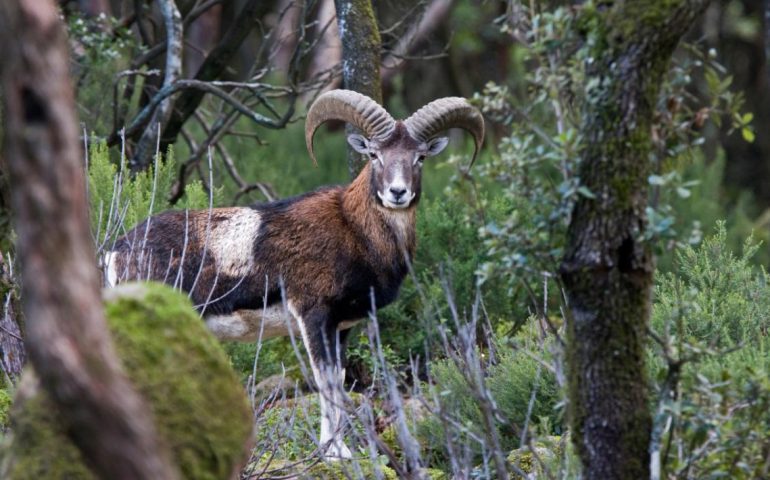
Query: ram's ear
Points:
[436, 145]
[359, 143]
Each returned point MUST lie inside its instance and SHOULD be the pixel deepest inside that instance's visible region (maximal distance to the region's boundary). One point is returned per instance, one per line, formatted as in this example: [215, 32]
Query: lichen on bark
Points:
[361, 46]
[608, 268]
[199, 406]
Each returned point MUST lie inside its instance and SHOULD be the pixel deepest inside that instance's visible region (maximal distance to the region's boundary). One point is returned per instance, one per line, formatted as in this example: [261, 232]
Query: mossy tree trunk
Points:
[608, 268]
[361, 45]
[13, 356]
[67, 338]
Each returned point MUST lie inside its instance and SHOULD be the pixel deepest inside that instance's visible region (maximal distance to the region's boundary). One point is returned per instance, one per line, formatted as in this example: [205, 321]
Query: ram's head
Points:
[396, 148]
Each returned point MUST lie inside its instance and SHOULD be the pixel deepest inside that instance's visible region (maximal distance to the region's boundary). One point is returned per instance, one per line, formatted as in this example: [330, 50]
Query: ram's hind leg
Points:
[324, 348]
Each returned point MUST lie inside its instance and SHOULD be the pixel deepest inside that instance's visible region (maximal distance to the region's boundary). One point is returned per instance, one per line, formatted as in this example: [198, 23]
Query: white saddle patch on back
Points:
[231, 242]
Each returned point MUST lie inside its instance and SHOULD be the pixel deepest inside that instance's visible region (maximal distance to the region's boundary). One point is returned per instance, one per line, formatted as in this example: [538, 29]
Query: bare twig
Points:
[174, 39]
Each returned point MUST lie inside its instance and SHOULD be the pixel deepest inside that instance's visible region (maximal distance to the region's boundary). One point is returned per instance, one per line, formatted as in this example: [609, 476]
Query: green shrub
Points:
[513, 382]
[119, 200]
[712, 315]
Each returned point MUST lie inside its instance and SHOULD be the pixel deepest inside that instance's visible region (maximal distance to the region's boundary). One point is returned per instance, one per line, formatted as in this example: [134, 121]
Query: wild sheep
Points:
[326, 253]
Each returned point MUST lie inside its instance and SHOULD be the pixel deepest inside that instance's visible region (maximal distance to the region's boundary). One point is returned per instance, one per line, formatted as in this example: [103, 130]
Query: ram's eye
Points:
[420, 158]
[373, 156]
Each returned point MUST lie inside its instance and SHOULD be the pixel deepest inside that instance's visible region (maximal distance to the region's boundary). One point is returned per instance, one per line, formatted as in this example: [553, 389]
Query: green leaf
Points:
[747, 134]
[583, 190]
[747, 117]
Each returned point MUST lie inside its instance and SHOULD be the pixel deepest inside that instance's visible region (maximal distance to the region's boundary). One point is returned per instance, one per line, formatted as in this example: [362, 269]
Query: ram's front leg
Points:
[322, 342]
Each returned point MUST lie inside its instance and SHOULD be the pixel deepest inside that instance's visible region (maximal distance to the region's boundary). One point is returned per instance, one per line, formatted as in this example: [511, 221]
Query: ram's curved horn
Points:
[352, 107]
[443, 114]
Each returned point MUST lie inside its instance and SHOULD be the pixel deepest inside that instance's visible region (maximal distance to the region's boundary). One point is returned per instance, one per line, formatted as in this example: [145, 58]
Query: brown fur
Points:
[317, 244]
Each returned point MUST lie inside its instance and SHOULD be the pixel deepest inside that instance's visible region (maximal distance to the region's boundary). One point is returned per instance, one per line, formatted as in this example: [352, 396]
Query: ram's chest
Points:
[363, 289]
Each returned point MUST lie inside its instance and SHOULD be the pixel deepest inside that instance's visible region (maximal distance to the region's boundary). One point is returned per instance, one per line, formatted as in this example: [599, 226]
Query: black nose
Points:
[397, 192]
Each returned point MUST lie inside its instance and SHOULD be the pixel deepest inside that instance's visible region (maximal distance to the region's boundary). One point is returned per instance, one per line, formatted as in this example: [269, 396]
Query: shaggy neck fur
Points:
[385, 229]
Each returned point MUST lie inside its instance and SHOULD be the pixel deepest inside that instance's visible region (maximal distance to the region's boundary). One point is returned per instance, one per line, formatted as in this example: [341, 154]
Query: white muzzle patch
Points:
[390, 200]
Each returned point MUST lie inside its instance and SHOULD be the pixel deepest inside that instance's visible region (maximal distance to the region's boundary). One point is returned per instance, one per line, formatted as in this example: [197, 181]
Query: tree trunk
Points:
[12, 353]
[608, 268]
[361, 46]
[67, 337]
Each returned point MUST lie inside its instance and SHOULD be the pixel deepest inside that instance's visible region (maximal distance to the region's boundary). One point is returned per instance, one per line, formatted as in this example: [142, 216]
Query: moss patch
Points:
[199, 405]
[548, 453]
[5, 407]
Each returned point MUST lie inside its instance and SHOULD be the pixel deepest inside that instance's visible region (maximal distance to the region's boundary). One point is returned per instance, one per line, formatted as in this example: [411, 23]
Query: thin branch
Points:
[174, 39]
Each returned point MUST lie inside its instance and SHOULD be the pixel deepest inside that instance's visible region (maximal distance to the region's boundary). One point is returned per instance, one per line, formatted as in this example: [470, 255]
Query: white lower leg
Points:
[330, 397]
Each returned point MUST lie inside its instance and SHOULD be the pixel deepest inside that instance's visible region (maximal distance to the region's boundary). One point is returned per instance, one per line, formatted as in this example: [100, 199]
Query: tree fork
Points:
[608, 268]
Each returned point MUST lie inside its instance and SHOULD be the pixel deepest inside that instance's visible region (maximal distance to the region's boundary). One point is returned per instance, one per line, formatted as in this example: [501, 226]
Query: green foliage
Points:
[119, 200]
[275, 357]
[716, 298]
[101, 48]
[524, 391]
[447, 252]
[286, 437]
[702, 204]
[548, 452]
[5, 407]
[181, 371]
[711, 318]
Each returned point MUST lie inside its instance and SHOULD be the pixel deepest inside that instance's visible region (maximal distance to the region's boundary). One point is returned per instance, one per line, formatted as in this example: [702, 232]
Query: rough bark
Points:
[67, 339]
[5, 207]
[361, 46]
[608, 268]
[12, 353]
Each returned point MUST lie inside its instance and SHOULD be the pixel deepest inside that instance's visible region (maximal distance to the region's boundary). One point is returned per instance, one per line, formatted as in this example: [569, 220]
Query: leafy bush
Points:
[447, 256]
[711, 361]
[524, 390]
[120, 200]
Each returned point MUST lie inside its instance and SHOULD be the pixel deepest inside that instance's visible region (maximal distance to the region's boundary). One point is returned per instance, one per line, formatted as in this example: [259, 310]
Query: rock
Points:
[548, 452]
[415, 411]
[200, 408]
[277, 385]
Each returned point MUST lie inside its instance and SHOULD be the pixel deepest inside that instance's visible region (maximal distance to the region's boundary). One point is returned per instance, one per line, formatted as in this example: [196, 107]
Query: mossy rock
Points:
[548, 452]
[200, 408]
